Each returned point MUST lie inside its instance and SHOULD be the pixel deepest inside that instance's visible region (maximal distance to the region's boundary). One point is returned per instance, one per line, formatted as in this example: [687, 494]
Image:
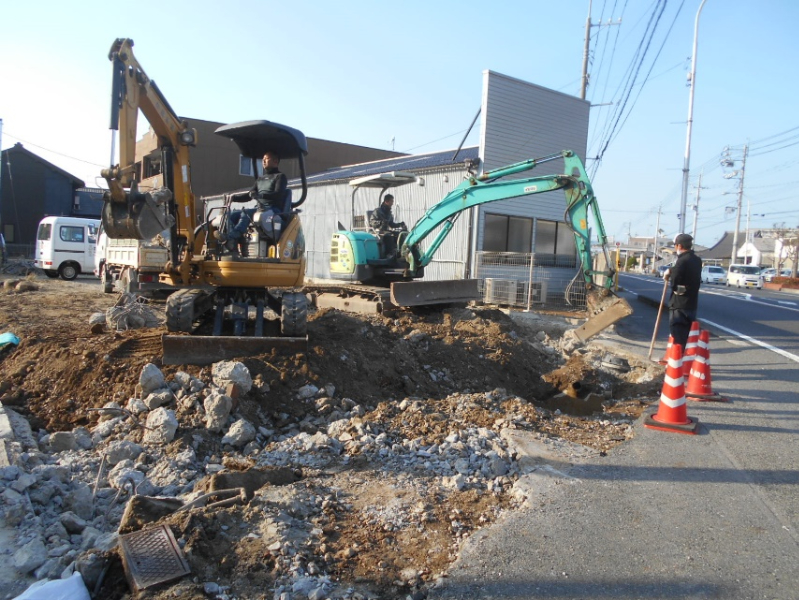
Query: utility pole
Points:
[657, 239]
[588, 25]
[740, 200]
[696, 206]
[687, 161]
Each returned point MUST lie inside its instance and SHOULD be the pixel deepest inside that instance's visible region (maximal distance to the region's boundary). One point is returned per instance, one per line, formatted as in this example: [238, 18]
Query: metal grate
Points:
[151, 556]
[530, 280]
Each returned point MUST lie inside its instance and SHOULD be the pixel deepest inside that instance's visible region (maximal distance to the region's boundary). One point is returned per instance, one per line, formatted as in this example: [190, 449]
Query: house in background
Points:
[32, 188]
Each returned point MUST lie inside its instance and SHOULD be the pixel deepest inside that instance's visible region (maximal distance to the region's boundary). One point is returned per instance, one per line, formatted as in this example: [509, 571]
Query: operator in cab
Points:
[382, 222]
[270, 195]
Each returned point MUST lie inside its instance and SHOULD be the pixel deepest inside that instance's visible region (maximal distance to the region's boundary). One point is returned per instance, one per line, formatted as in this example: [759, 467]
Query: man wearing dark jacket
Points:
[270, 195]
[685, 277]
[382, 222]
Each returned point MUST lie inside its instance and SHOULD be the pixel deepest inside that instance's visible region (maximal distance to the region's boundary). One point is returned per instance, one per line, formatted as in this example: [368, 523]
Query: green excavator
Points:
[359, 256]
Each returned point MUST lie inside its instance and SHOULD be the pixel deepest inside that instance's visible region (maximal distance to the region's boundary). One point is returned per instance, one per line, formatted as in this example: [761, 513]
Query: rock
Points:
[79, 500]
[97, 318]
[31, 556]
[136, 406]
[61, 441]
[226, 372]
[307, 391]
[26, 286]
[83, 438]
[120, 450]
[151, 379]
[239, 433]
[161, 426]
[72, 522]
[159, 398]
[217, 410]
[124, 474]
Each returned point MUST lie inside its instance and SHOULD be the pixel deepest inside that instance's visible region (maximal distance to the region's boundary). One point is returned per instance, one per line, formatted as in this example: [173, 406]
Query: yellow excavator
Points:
[230, 303]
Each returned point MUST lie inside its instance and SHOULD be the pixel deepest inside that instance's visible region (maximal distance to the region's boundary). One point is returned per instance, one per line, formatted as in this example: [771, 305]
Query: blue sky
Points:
[409, 76]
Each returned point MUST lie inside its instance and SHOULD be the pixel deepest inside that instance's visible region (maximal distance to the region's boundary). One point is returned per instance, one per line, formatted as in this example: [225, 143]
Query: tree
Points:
[789, 242]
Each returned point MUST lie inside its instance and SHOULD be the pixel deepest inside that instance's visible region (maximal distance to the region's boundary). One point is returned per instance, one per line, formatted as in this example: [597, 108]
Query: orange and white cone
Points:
[699, 386]
[690, 348]
[665, 359]
[672, 414]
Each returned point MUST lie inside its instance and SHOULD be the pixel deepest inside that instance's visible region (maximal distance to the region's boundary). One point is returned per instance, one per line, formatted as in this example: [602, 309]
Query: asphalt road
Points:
[665, 515]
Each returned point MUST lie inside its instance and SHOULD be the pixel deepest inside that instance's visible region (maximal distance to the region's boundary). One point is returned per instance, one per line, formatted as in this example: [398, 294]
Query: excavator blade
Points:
[421, 293]
[606, 308]
[208, 349]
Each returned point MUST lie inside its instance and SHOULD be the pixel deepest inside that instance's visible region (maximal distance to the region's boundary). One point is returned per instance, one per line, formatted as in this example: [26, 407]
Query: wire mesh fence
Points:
[530, 280]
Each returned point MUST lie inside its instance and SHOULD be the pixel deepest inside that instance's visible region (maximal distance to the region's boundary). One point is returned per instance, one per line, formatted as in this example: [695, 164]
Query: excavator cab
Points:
[266, 228]
[359, 254]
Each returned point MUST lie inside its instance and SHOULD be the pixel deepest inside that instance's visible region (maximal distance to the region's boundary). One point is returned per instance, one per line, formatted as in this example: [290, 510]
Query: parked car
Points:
[744, 276]
[662, 269]
[768, 274]
[713, 274]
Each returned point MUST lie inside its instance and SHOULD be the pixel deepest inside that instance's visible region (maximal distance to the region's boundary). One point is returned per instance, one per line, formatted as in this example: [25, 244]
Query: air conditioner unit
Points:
[504, 291]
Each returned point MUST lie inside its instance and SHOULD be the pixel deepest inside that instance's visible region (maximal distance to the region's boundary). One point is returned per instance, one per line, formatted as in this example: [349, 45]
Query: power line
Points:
[88, 162]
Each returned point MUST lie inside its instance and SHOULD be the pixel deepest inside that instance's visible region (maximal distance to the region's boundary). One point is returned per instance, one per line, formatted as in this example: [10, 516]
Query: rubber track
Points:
[294, 315]
[180, 310]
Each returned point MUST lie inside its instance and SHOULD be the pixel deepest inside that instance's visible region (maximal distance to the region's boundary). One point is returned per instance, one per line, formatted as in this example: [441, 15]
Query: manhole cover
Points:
[151, 556]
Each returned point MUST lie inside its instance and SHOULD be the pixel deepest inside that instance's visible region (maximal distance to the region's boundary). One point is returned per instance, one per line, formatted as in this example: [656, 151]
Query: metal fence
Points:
[530, 280]
[21, 250]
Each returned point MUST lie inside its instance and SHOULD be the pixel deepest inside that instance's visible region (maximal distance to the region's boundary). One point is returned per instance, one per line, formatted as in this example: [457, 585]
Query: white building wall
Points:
[520, 121]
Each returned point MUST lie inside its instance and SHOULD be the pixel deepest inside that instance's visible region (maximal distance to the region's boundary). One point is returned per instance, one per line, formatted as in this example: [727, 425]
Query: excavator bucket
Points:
[421, 293]
[139, 217]
[208, 349]
[604, 308]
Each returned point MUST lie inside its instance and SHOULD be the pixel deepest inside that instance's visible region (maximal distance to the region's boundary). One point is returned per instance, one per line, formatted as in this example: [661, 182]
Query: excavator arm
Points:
[605, 308]
[127, 212]
[487, 188]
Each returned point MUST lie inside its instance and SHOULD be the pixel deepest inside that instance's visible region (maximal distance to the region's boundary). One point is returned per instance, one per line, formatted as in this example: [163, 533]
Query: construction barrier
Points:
[672, 413]
[699, 386]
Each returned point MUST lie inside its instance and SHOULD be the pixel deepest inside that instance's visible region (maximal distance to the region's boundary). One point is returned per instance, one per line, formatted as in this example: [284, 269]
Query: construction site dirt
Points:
[374, 454]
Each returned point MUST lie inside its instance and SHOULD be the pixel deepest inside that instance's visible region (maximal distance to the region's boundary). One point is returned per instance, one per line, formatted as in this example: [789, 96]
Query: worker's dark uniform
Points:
[382, 222]
[685, 277]
[270, 194]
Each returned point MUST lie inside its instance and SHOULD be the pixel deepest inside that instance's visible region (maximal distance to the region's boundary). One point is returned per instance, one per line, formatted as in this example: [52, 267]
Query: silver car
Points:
[713, 274]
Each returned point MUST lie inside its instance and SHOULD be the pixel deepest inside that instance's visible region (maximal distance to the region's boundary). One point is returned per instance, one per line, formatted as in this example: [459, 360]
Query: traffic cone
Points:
[665, 359]
[672, 414]
[699, 386]
[690, 349]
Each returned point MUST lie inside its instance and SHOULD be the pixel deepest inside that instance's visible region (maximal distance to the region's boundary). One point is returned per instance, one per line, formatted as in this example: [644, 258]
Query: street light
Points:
[686, 164]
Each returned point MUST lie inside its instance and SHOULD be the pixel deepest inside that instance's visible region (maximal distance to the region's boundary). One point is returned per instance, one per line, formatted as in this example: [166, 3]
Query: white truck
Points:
[65, 246]
[131, 266]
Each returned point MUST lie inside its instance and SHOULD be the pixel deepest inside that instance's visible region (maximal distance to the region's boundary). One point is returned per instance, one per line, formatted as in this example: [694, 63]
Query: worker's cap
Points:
[684, 240]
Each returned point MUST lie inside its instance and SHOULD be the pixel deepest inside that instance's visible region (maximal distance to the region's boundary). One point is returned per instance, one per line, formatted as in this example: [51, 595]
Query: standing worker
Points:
[685, 277]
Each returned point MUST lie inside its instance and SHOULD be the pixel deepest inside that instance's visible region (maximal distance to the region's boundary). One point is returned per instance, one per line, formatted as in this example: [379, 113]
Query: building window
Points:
[245, 166]
[554, 242]
[70, 233]
[8, 233]
[504, 233]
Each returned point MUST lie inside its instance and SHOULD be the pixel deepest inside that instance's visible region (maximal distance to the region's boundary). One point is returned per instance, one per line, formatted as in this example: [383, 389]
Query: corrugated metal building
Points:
[519, 121]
